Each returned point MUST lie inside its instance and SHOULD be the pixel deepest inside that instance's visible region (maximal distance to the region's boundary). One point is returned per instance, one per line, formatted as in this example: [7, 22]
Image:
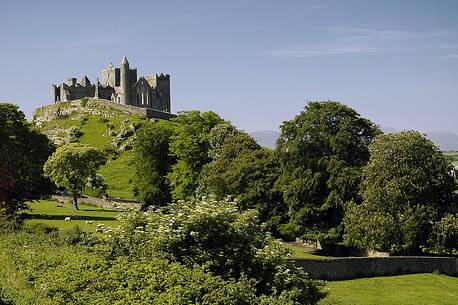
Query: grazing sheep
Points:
[88, 222]
[100, 228]
[67, 219]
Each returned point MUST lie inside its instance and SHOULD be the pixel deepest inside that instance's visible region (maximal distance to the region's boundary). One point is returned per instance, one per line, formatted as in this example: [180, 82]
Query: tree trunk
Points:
[2, 201]
[75, 201]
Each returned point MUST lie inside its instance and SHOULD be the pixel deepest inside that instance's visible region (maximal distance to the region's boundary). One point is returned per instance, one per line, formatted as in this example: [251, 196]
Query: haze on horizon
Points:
[253, 62]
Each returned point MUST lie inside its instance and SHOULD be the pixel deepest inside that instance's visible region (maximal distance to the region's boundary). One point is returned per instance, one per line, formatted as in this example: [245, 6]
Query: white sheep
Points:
[67, 219]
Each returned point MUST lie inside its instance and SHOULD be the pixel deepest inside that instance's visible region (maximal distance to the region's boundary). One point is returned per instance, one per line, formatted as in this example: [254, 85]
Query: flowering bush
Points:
[218, 236]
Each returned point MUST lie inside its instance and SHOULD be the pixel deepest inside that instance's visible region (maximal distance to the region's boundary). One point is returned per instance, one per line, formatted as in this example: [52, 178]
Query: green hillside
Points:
[97, 123]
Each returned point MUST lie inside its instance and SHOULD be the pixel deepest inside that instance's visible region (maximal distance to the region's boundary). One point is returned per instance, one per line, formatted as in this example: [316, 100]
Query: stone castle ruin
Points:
[120, 86]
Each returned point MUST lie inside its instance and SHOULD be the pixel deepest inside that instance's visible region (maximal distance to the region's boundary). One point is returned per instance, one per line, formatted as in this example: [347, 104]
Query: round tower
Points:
[125, 85]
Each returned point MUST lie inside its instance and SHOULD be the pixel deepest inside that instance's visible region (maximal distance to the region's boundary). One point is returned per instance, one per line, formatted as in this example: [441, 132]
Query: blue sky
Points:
[254, 62]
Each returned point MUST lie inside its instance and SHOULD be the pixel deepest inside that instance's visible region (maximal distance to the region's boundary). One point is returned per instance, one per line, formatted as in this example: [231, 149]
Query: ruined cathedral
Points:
[121, 86]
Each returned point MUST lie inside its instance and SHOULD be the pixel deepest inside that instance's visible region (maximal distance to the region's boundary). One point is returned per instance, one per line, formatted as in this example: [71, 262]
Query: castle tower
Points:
[125, 85]
[97, 85]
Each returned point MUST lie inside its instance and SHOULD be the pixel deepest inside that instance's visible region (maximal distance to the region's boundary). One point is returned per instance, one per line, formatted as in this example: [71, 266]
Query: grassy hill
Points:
[97, 123]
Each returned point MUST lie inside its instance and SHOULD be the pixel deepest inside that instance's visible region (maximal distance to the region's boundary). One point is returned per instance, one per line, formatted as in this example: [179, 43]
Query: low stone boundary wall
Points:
[360, 267]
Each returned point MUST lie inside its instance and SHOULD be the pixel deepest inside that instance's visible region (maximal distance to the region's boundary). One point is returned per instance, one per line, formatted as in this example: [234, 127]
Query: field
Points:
[47, 212]
[415, 289]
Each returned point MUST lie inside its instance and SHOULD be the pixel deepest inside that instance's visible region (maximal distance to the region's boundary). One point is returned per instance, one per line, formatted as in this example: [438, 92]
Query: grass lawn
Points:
[47, 212]
[302, 252]
[117, 174]
[414, 289]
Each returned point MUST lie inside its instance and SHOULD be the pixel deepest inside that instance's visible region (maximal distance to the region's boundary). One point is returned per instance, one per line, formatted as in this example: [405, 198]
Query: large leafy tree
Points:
[321, 152]
[73, 165]
[406, 187]
[23, 151]
[152, 164]
[243, 169]
[190, 145]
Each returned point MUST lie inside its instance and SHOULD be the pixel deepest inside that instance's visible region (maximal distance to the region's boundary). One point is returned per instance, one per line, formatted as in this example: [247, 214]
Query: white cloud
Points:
[346, 40]
[450, 56]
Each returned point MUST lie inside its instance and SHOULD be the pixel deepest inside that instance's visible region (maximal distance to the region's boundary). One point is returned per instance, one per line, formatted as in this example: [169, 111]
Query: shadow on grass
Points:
[62, 217]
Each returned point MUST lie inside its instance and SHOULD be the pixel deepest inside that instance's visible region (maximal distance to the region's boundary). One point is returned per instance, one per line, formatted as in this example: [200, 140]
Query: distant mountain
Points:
[266, 138]
[446, 140]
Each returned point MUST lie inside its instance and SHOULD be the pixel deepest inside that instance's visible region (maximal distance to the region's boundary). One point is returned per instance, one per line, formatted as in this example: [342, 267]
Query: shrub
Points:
[9, 222]
[214, 234]
[444, 235]
[76, 236]
[40, 228]
[74, 133]
[102, 120]
[40, 269]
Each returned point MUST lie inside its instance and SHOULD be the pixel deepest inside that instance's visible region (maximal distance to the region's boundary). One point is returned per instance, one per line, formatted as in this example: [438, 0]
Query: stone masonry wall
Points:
[360, 267]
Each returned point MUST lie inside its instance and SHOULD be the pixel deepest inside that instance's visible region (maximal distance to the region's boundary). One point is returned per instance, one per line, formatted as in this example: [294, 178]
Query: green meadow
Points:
[48, 213]
[414, 289]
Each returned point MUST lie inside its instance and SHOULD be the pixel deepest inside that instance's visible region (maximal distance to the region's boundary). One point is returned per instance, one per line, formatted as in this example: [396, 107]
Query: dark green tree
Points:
[152, 164]
[190, 145]
[321, 152]
[23, 151]
[72, 166]
[247, 172]
[406, 187]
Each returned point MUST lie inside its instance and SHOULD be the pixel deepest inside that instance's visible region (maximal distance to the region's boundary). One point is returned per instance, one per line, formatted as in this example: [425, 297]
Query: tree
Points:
[152, 164]
[406, 187]
[190, 145]
[218, 137]
[244, 170]
[23, 151]
[321, 152]
[72, 166]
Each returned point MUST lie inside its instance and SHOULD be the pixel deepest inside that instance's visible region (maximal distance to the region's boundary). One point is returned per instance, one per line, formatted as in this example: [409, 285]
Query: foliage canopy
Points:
[73, 165]
[406, 187]
[152, 164]
[23, 151]
[321, 152]
[246, 171]
[190, 144]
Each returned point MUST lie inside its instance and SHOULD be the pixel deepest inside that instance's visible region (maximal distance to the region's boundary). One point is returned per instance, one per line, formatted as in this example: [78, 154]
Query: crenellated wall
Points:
[120, 86]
